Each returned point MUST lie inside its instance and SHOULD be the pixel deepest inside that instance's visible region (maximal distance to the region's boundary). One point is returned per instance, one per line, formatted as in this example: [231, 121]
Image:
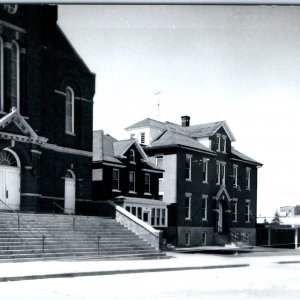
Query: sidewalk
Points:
[178, 261]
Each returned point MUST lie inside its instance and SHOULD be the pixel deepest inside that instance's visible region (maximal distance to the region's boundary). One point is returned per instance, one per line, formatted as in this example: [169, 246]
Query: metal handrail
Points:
[74, 227]
[25, 225]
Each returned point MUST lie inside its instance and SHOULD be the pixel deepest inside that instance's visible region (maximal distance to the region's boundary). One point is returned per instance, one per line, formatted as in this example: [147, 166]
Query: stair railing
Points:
[25, 225]
[74, 219]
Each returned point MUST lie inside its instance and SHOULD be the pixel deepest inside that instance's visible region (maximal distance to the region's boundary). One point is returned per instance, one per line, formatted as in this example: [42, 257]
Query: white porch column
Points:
[296, 238]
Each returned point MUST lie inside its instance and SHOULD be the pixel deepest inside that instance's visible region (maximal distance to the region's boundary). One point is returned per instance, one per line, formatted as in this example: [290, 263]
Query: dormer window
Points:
[11, 8]
[132, 156]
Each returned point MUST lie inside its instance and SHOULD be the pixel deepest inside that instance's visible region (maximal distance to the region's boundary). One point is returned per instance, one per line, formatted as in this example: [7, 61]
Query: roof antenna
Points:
[157, 94]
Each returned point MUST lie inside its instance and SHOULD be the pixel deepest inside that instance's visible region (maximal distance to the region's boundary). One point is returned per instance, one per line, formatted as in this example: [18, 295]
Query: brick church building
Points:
[46, 113]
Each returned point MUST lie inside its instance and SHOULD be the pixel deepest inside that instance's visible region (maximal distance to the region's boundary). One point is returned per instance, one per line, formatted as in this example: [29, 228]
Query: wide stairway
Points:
[44, 236]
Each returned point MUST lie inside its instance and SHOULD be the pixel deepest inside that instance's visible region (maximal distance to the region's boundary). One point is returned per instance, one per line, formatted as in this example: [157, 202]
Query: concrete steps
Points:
[45, 236]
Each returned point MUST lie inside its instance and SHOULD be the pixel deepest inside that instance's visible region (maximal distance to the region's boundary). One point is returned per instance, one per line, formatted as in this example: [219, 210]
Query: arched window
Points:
[8, 159]
[69, 110]
[132, 156]
[15, 75]
[1, 76]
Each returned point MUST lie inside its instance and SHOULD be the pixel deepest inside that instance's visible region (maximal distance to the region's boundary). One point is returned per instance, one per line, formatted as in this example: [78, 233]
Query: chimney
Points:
[185, 121]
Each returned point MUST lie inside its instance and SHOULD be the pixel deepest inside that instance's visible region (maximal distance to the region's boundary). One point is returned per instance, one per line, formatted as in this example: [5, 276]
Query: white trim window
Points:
[147, 183]
[163, 216]
[235, 175]
[187, 205]
[132, 156]
[188, 167]
[204, 207]
[205, 170]
[218, 142]
[248, 178]
[132, 181]
[247, 211]
[234, 210]
[116, 179]
[1, 75]
[70, 110]
[15, 75]
[221, 173]
[224, 140]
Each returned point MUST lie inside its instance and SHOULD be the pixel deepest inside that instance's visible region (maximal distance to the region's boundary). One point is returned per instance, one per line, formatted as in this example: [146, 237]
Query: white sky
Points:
[235, 63]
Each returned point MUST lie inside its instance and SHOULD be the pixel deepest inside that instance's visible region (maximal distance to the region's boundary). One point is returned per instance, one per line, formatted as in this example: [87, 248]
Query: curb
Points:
[115, 272]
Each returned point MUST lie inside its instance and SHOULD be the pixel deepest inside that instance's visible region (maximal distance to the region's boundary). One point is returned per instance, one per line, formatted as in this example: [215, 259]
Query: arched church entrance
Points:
[70, 188]
[9, 180]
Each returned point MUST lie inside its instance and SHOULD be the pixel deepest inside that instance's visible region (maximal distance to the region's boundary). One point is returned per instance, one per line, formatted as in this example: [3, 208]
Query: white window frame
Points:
[17, 72]
[187, 209]
[204, 207]
[157, 159]
[235, 175]
[234, 214]
[247, 208]
[118, 180]
[132, 156]
[218, 142]
[205, 170]
[221, 169]
[224, 143]
[72, 111]
[1, 74]
[248, 178]
[132, 190]
[188, 166]
[148, 192]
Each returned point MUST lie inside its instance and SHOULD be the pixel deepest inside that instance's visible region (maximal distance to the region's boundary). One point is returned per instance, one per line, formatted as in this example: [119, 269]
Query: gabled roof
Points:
[14, 117]
[172, 138]
[240, 156]
[147, 123]
[221, 190]
[209, 129]
[108, 149]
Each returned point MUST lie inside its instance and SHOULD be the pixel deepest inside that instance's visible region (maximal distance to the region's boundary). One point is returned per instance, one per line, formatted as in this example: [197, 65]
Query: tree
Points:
[276, 218]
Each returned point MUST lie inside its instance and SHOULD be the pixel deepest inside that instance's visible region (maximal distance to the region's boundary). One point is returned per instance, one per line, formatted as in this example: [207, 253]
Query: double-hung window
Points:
[235, 175]
[218, 142]
[221, 173]
[204, 207]
[116, 179]
[188, 167]
[234, 210]
[247, 211]
[131, 181]
[205, 170]
[146, 183]
[248, 178]
[159, 162]
[224, 139]
[132, 156]
[188, 198]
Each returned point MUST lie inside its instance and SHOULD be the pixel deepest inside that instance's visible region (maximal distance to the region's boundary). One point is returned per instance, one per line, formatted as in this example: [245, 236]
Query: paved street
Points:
[265, 278]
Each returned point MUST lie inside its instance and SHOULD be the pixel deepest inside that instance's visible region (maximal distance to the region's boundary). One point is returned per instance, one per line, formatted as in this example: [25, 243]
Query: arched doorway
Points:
[9, 180]
[70, 188]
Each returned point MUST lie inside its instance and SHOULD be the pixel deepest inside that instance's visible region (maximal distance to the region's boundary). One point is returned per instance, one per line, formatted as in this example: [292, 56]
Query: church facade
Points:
[46, 113]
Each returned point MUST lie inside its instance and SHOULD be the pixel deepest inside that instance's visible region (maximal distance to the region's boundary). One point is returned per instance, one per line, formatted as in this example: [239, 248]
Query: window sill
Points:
[147, 194]
[206, 182]
[132, 192]
[160, 179]
[132, 162]
[204, 220]
[188, 179]
[70, 133]
[116, 191]
[188, 219]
